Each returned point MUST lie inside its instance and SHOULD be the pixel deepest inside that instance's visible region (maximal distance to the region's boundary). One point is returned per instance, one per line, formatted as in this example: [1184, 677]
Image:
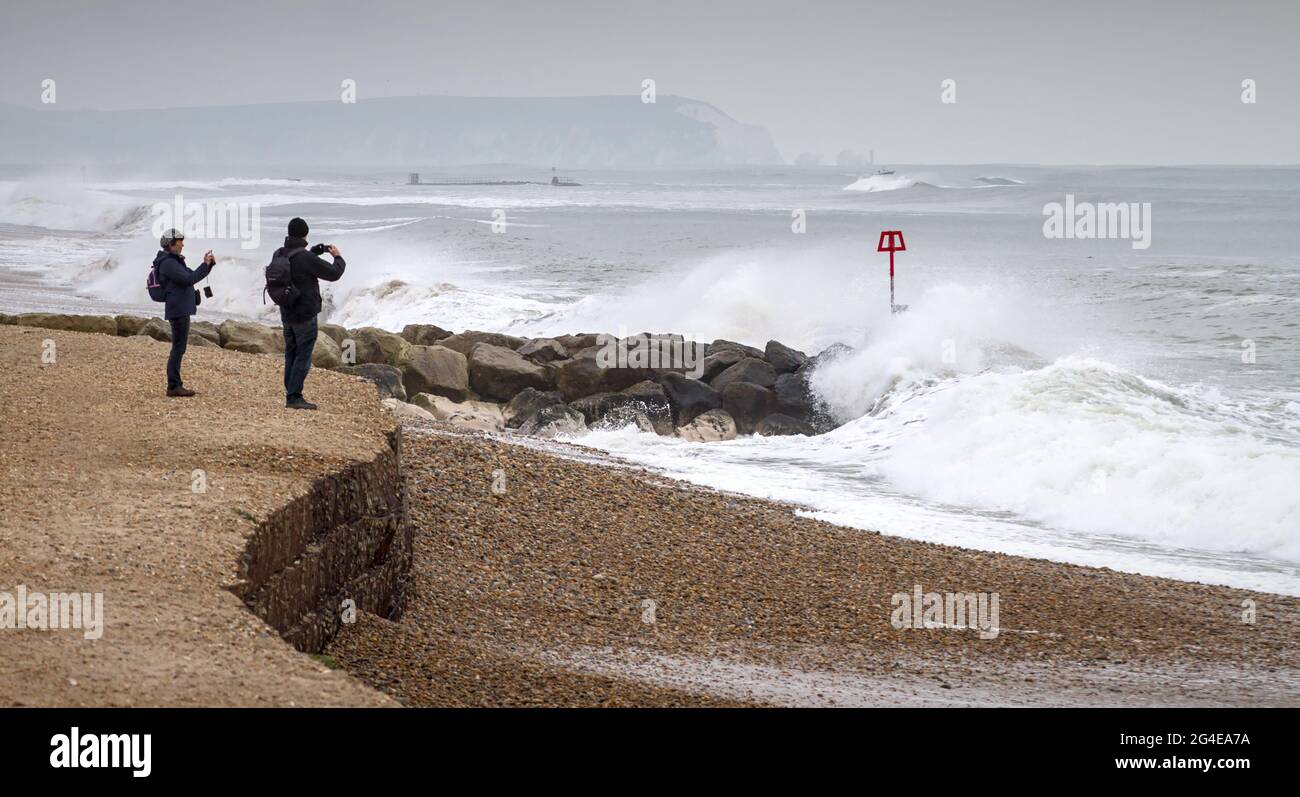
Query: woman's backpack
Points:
[154, 285]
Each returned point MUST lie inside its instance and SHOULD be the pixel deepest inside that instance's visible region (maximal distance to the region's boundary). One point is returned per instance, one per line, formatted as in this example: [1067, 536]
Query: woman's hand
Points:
[210, 258]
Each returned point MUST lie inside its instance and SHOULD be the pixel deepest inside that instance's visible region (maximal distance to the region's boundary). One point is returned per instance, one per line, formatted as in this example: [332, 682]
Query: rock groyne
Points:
[660, 383]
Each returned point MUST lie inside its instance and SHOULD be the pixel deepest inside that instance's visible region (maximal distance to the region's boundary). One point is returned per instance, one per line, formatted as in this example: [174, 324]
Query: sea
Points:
[1122, 392]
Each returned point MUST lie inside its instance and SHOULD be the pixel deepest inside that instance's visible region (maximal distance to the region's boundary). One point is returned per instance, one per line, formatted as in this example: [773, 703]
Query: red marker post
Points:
[891, 241]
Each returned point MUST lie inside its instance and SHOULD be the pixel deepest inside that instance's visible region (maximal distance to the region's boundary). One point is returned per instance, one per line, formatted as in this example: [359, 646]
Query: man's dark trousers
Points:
[299, 341]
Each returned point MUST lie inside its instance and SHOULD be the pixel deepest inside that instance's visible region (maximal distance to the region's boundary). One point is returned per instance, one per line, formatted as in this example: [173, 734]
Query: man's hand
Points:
[334, 251]
[210, 258]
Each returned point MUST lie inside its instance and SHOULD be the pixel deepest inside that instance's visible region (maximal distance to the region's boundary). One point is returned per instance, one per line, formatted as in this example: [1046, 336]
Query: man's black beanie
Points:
[297, 228]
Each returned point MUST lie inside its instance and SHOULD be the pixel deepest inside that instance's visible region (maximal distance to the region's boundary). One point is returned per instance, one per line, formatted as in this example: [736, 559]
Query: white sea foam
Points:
[880, 182]
[59, 205]
[1083, 445]
[999, 180]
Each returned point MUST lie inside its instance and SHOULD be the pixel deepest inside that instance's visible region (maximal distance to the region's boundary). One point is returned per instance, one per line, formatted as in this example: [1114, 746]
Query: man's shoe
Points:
[179, 392]
[299, 403]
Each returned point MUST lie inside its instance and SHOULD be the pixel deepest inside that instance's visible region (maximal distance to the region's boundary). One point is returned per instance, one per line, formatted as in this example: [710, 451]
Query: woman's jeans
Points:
[180, 342]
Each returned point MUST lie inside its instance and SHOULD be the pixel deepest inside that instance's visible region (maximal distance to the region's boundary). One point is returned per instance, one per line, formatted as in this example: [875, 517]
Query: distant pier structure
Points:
[555, 179]
[413, 178]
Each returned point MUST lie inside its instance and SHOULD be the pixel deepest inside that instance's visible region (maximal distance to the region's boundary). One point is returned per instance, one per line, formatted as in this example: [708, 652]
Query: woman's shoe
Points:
[181, 392]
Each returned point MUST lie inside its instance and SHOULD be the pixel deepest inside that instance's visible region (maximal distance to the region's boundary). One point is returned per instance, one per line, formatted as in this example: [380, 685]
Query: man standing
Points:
[306, 268]
[177, 280]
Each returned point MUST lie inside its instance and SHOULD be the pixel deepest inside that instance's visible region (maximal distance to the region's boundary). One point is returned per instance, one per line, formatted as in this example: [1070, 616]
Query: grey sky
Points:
[1037, 81]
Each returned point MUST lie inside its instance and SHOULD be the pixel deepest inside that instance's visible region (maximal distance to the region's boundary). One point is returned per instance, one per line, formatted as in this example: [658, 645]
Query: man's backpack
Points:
[154, 285]
[279, 279]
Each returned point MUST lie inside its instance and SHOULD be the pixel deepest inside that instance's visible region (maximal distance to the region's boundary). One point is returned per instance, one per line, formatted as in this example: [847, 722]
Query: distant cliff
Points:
[396, 132]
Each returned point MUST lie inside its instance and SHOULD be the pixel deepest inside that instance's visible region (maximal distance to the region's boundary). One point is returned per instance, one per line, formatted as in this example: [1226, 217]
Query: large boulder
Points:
[435, 369]
[158, 329]
[527, 403]
[751, 370]
[327, 353]
[660, 353]
[628, 415]
[589, 372]
[499, 373]
[424, 334]
[251, 338]
[204, 329]
[374, 345]
[557, 419]
[197, 341]
[387, 378]
[725, 345]
[407, 412]
[466, 341]
[688, 397]
[709, 427]
[720, 361]
[598, 405]
[544, 350]
[829, 354]
[793, 397]
[818, 413]
[651, 399]
[104, 324]
[129, 325]
[336, 332]
[748, 404]
[579, 342]
[481, 415]
[783, 358]
[778, 424]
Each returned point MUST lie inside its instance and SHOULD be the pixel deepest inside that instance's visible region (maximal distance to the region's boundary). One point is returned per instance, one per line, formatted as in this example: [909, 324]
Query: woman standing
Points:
[182, 300]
